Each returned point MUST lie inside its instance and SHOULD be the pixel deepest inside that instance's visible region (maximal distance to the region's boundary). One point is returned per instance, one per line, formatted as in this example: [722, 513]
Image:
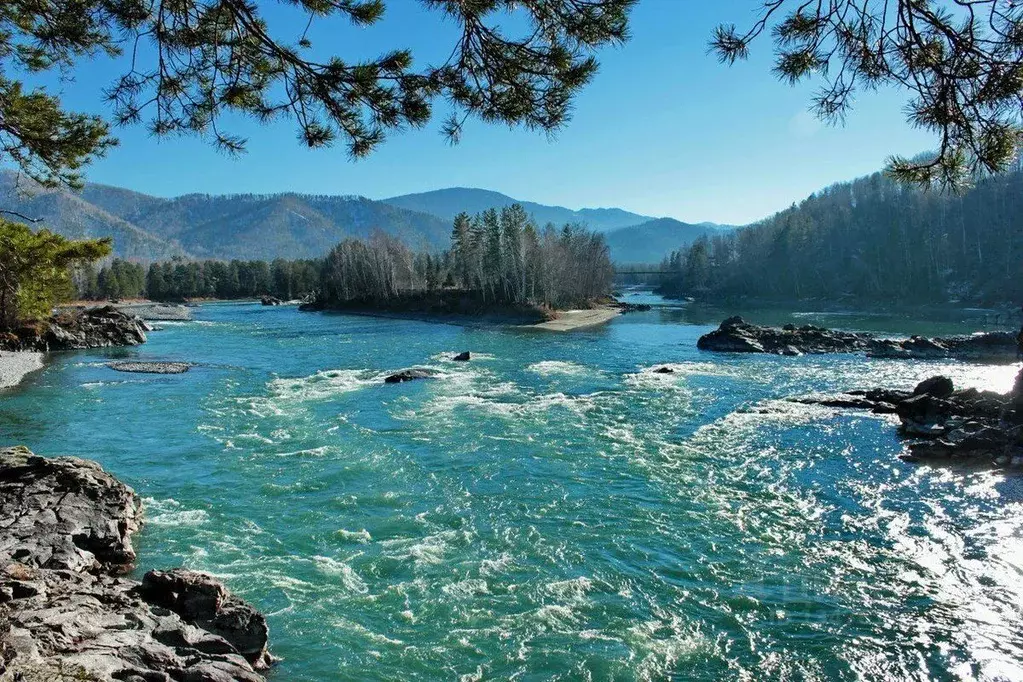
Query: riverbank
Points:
[16, 365]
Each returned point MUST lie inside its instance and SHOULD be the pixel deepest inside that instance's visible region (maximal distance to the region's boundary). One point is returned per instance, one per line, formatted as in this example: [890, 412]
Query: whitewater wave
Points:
[170, 513]
[548, 368]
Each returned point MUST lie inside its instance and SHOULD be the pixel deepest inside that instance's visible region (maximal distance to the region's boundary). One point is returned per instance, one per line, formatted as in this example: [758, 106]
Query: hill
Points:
[244, 226]
[652, 241]
[870, 240]
[70, 215]
[447, 203]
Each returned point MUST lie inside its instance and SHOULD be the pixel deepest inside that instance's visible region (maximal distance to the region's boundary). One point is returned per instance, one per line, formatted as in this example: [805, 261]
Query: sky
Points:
[663, 130]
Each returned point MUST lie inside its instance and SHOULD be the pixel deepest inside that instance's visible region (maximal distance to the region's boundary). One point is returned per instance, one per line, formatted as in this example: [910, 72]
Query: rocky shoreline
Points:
[735, 335]
[67, 612]
[100, 327]
[943, 424]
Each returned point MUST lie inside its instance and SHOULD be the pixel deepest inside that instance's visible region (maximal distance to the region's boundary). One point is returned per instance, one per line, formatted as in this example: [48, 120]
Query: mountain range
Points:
[291, 225]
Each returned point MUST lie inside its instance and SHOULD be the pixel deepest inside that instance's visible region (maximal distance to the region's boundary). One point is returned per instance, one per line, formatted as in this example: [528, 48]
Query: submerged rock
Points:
[151, 367]
[65, 613]
[464, 356]
[409, 375]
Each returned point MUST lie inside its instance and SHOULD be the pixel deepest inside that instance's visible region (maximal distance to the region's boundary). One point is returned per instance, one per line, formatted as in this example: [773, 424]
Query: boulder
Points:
[65, 612]
[65, 513]
[464, 356]
[939, 386]
[409, 375]
[271, 300]
[664, 370]
[200, 599]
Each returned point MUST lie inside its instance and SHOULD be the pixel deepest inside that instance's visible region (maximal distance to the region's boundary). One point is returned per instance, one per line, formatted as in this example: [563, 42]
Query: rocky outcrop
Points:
[413, 374]
[464, 356]
[735, 335]
[67, 614]
[986, 347]
[943, 424]
[77, 329]
[151, 367]
[271, 300]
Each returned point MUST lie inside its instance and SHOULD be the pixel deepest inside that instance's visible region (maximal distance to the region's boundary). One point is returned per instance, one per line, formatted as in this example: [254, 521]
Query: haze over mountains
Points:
[291, 225]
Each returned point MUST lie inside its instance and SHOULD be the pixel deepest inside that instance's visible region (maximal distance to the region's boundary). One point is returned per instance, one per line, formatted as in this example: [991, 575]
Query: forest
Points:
[179, 279]
[500, 257]
[870, 240]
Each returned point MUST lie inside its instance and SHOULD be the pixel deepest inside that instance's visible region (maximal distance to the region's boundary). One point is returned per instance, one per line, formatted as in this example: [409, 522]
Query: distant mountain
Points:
[245, 226]
[267, 226]
[653, 240]
[447, 203]
[68, 214]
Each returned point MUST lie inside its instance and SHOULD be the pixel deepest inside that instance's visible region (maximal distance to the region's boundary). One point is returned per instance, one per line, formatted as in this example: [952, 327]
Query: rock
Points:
[735, 335]
[65, 513]
[464, 356]
[199, 598]
[938, 386]
[409, 375]
[151, 367]
[664, 370]
[66, 614]
[271, 300]
[944, 424]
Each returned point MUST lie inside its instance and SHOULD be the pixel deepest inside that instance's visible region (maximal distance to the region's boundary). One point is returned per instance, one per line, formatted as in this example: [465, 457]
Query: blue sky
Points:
[663, 130]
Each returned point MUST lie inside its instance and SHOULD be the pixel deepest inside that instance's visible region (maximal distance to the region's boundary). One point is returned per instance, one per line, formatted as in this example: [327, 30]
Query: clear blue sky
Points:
[663, 130]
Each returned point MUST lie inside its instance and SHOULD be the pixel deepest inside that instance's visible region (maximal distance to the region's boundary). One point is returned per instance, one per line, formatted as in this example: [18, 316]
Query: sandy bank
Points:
[14, 366]
[568, 320]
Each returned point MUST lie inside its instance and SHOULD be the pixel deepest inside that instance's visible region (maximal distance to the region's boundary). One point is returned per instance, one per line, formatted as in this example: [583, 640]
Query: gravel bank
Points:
[14, 366]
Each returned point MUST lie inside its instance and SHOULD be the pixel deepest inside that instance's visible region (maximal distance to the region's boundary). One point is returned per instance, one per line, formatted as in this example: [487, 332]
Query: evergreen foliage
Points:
[501, 258]
[193, 61]
[179, 280]
[35, 270]
[872, 239]
[961, 62]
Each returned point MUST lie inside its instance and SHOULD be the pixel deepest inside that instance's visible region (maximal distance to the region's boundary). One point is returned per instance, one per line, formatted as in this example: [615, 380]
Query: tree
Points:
[963, 66]
[35, 270]
[190, 62]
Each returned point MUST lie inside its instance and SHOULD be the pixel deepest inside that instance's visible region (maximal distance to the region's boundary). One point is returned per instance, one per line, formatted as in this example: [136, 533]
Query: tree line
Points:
[500, 257]
[179, 279]
[872, 239]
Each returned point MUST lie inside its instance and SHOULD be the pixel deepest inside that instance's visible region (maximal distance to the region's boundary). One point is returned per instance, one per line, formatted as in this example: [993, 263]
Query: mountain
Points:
[652, 241]
[447, 203]
[243, 226]
[70, 215]
[270, 226]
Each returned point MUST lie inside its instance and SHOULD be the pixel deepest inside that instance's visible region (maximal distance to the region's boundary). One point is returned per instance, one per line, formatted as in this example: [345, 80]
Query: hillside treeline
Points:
[179, 279]
[871, 240]
[500, 257]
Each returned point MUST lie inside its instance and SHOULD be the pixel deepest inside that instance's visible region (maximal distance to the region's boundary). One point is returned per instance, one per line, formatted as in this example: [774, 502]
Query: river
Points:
[553, 509]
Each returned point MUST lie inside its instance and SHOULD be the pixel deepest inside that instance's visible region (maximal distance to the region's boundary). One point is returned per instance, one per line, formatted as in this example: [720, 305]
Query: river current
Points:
[553, 509]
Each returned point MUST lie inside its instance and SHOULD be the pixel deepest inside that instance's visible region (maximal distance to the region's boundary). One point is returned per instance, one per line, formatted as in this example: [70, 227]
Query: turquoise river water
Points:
[552, 510]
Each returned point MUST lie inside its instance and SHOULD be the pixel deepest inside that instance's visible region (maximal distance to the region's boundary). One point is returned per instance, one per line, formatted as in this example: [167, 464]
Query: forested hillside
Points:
[871, 240]
[651, 241]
